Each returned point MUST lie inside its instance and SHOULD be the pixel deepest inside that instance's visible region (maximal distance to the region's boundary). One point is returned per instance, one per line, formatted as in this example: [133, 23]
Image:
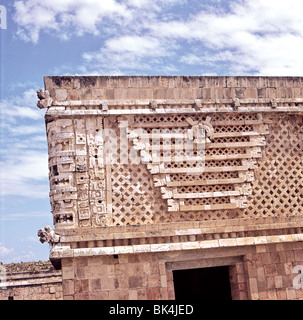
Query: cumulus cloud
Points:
[24, 173]
[62, 16]
[68, 17]
[7, 255]
[23, 106]
[254, 37]
[263, 37]
[130, 53]
[23, 165]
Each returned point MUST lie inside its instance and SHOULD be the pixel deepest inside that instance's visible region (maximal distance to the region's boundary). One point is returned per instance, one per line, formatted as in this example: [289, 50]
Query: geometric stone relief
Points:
[171, 147]
[228, 177]
[76, 169]
[279, 185]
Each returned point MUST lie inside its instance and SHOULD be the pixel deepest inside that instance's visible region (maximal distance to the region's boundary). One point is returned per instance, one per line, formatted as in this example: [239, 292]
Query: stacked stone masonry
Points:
[263, 272]
[30, 283]
[154, 174]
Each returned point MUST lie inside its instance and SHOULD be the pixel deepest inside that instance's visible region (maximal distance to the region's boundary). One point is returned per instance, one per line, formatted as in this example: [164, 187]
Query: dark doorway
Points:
[202, 284]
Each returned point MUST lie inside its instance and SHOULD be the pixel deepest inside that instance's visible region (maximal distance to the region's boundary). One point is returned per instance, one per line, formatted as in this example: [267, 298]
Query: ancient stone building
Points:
[161, 186]
[30, 281]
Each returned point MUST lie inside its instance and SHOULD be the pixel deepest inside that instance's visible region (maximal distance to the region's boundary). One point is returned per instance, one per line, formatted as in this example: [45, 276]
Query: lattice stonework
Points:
[133, 198]
[189, 169]
[140, 169]
[235, 180]
[278, 188]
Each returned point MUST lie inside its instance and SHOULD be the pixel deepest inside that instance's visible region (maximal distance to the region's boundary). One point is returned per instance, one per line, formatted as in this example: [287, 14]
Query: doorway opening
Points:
[202, 284]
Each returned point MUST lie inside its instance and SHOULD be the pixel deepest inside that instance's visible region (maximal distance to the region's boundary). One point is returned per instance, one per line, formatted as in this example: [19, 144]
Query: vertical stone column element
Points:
[76, 164]
[63, 190]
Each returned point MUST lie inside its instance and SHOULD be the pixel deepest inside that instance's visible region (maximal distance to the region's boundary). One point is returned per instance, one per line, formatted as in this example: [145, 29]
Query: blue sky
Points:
[112, 37]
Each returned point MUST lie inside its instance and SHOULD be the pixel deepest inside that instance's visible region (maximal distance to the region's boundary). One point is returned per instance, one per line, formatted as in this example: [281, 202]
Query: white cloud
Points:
[11, 111]
[24, 256]
[25, 173]
[135, 45]
[30, 164]
[143, 4]
[68, 17]
[154, 5]
[34, 16]
[15, 255]
[23, 166]
[4, 251]
[127, 48]
[20, 107]
[130, 53]
[27, 129]
[260, 37]
[192, 59]
[264, 37]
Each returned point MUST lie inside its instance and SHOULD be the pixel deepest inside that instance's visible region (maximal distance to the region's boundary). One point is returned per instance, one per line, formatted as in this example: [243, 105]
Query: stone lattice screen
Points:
[277, 190]
[252, 168]
[243, 177]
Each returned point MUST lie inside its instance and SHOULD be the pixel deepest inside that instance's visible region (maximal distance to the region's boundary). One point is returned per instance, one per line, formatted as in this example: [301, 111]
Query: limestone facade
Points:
[154, 174]
[30, 281]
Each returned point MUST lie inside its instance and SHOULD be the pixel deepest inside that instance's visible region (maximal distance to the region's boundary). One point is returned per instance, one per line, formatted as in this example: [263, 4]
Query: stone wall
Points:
[127, 277]
[35, 285]
[263, 272]
[270, 271]
[179, 87]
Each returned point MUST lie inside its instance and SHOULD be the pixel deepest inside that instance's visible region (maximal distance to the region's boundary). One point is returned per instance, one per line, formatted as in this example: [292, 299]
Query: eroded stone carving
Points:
[200, 131]
[153, 104]
[273, 103]
[47, 234]
[76, 163]
[236, 103]
[45, 100]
